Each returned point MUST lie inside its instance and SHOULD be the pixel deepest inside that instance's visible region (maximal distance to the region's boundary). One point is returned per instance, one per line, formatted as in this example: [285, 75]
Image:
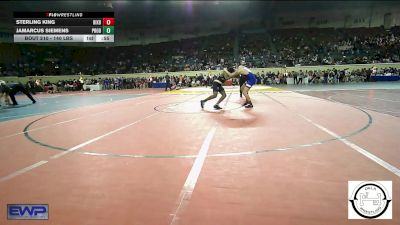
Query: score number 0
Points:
[108, 25]
[108, 21]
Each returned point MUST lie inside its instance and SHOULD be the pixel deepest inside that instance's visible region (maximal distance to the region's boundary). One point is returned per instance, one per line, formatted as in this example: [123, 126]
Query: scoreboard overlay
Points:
[64, 26]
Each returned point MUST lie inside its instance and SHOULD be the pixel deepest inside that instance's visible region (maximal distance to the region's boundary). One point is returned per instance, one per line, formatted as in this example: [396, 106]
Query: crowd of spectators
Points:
[278, 48]
[308, 47]
[327, 76]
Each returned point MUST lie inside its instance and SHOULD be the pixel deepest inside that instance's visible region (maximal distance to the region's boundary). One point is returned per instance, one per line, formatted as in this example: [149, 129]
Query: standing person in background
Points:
[180, 82]
[311, 77]
[285, 75]
[325, 77]
[280, 78]
[31, 86]
[168, 82]
[301, 75]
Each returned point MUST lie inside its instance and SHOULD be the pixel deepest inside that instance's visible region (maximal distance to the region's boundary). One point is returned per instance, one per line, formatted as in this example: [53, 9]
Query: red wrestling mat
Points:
[159, 159]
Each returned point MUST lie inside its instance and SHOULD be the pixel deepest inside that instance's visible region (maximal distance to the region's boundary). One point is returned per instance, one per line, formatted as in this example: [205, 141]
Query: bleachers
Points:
[288, 47]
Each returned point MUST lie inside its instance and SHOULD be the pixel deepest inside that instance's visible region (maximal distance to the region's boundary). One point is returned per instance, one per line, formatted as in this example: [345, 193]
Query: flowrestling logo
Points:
[370, 200]
[27, 211]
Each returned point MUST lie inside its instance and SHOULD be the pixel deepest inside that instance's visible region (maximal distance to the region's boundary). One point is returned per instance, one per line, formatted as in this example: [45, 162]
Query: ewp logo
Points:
[27, 212]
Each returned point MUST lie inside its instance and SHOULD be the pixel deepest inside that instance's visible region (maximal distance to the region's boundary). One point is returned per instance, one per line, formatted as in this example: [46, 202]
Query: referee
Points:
[12, 89]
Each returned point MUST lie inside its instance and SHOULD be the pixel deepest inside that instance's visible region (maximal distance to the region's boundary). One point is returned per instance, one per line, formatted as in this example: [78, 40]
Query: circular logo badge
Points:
[370, 199]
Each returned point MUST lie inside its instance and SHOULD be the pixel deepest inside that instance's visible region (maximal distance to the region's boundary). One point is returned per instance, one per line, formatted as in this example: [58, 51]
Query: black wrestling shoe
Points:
[33, 102]
[217, 107]
[244, 104]
[249, 106]
[202, 104]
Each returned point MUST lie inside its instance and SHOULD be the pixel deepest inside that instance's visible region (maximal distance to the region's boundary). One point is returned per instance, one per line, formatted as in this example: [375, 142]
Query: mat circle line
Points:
[368, 124]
